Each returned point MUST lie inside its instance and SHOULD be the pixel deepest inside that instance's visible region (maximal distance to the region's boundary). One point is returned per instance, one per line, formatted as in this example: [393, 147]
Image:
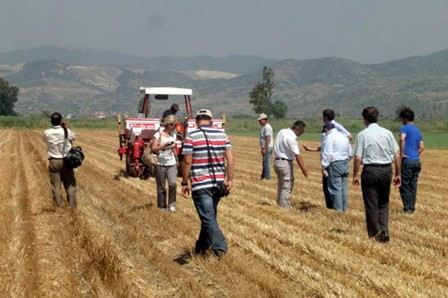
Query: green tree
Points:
[279, 109]
[260, 96]
[8, 97]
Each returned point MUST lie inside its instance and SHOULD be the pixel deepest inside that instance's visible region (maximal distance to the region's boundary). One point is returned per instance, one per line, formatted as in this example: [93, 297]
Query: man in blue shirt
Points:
[411, 146]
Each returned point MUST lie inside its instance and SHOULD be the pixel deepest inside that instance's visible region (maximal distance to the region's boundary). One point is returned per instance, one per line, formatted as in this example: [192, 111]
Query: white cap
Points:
[262, 116]
[204, 112]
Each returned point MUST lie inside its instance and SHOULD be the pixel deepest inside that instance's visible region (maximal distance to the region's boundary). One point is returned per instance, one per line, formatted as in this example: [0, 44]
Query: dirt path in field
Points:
[118, 244]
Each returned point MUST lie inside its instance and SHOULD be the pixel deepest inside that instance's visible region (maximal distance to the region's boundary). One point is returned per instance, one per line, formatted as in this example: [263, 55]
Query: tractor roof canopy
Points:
[157, 91]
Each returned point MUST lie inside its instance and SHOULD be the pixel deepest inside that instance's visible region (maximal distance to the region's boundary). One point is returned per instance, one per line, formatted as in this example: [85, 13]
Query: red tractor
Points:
[136, 133]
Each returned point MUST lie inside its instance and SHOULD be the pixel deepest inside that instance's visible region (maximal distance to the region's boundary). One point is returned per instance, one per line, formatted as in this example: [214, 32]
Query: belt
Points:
[283, 159]
[377, 165]
[342, 160]
[57, 158]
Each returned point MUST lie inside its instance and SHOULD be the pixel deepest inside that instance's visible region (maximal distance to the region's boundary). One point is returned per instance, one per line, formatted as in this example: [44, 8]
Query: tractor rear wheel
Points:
[130, 170]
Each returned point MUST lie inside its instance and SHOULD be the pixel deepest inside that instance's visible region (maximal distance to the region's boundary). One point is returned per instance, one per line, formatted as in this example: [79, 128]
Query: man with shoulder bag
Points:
[209, 165]
[58, 145]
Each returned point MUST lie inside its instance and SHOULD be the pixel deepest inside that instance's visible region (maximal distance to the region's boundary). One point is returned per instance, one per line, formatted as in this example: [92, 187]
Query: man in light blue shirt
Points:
[335, 158]
[376, 149]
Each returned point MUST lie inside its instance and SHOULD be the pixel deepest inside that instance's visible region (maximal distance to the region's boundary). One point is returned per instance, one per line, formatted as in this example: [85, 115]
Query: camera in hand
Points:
[220, 190]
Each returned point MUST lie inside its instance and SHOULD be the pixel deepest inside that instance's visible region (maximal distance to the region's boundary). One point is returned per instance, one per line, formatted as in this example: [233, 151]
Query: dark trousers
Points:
[328, 198]
[375, 183]
[163, 173]
[409, 180]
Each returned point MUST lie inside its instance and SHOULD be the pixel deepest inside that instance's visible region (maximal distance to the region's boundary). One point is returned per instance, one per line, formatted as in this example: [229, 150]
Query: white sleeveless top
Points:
[166, 156]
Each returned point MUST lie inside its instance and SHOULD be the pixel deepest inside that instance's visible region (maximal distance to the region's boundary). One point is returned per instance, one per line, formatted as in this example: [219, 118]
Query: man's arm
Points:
[402, 144]
[339, 127]
[230, 168]
[397, 176]
[421, 147]
[267, 140]
[185, 170]
[301, 165]
[326, 153]
[356, 167]
[312, 149]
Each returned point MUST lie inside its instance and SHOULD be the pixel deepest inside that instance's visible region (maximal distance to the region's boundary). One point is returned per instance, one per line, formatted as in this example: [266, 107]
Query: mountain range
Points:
[82, 82]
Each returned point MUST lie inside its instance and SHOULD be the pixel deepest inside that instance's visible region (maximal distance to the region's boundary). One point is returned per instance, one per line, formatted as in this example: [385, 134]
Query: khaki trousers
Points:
[60, 175]
[285, 181]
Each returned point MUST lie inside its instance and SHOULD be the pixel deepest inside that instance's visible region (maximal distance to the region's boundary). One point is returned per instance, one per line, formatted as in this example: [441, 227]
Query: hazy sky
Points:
[366, 31]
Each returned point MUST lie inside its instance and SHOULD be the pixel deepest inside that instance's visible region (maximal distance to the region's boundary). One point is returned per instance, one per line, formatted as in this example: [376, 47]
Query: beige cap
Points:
[262, 116]
[204, 112]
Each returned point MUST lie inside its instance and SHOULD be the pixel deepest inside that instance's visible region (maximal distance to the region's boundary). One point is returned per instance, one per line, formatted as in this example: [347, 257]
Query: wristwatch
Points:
[184, 183]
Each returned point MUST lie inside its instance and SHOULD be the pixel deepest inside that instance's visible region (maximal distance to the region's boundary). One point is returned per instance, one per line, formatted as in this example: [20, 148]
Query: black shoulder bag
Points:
[75, 156]
[219, 189]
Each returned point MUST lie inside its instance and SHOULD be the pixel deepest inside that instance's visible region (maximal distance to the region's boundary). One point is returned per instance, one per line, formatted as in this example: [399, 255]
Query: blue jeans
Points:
[210, 235]
[266, 173]
[338, 184]
[409, 180]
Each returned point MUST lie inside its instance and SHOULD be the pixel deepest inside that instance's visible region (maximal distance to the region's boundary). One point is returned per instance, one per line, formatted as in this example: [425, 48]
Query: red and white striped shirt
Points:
[201, 174]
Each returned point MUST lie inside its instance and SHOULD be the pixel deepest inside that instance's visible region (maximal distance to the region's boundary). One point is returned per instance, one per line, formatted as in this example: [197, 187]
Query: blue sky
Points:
[366, 31]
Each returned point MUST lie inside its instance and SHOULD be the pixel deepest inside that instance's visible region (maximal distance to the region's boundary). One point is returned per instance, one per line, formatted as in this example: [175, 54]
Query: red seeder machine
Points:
[135, 133]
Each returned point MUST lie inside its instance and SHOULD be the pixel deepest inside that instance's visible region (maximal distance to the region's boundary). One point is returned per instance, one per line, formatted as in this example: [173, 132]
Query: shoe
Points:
[385, 236]
[382, 236]
[200, 252]
[172, 209]
[218, 254]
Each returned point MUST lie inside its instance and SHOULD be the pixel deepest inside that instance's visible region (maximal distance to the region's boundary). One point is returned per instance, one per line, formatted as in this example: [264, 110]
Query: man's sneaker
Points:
[172, 209]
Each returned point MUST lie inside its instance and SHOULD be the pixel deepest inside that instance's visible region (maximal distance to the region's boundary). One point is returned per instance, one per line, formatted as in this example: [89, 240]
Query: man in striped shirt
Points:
[207, 162]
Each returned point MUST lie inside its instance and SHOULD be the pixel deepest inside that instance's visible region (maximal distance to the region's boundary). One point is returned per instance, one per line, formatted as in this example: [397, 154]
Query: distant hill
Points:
[70, 55]
[239, 64]
[434, 64]
[306, 86]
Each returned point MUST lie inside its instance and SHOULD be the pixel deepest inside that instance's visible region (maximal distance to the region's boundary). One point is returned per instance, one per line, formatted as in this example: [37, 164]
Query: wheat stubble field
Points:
[117, 244]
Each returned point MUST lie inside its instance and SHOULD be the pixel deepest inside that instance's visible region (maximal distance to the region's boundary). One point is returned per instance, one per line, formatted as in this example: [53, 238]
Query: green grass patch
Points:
[434, 132]
[36, 122]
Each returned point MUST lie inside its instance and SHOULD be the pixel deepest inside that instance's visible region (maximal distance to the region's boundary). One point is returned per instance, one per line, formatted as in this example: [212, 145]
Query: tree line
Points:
[8, 97]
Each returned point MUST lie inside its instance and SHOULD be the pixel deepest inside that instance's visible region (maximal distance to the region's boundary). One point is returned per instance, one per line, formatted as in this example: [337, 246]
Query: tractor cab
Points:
[136, 133]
